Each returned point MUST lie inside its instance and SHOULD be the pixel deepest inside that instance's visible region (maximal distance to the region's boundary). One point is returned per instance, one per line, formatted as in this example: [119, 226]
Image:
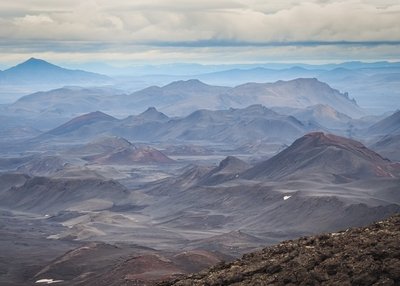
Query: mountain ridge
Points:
[328, 154]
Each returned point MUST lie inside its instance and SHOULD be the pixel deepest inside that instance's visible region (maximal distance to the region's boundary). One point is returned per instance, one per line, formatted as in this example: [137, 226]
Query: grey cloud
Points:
[122, 25]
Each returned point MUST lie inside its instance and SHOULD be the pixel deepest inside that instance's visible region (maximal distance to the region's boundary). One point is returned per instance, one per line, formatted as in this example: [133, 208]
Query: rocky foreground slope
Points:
[359, 256]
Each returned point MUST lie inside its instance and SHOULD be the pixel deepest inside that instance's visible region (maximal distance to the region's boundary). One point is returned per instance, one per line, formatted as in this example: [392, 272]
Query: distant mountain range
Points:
[180, 97]
[39, 72]
[183, 97]
[254, 123]
[374, 85]
[233, 125]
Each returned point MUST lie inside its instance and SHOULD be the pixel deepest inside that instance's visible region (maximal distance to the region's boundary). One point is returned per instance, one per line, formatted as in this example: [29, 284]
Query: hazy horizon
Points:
[143, 141]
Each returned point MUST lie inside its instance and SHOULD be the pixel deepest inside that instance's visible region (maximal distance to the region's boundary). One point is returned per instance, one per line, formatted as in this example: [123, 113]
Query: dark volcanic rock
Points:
[359, 256]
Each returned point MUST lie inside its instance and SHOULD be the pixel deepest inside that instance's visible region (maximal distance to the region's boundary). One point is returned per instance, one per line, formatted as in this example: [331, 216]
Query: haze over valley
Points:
[132, 160]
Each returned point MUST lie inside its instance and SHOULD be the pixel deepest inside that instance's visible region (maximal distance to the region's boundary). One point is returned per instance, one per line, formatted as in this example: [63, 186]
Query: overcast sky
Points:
[204, 31]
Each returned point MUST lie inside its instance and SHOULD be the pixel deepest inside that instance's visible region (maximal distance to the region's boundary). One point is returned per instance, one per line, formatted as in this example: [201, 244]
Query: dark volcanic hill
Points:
[320, 155]
[228, 168]
[359, 256]
[37, 71]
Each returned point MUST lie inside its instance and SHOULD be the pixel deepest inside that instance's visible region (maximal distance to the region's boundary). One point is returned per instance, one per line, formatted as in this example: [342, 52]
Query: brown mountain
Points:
[96, 263]
[359, 256]
[320, 155]
[101, 145]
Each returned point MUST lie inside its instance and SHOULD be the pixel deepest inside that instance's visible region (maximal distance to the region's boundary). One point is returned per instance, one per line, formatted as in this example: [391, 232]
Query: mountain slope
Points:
[66, 101]
[233, 126]
[298, 93]
[359, 256]
[101, 145]
[131, 155]
[150, 115]
[388, 125]
[388, 146]
[228, 168]
[182, 97]
[82, 121]
[320, 155]
[179, 97]
[322, 115]
[47, 195]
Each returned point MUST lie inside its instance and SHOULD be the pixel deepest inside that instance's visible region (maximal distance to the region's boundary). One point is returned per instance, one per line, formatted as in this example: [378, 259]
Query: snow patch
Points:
[286, 197]
[48, 281]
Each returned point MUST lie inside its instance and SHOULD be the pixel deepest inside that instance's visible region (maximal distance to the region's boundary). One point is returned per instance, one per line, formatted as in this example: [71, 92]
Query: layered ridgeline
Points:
[359, 256]
[180, 98]
[232, 125]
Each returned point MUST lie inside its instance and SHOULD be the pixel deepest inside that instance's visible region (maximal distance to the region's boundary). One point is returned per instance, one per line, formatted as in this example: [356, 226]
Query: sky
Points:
[206, 31]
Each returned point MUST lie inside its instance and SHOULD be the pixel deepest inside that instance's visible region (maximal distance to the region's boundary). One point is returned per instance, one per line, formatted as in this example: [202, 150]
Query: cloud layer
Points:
[161, 28]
